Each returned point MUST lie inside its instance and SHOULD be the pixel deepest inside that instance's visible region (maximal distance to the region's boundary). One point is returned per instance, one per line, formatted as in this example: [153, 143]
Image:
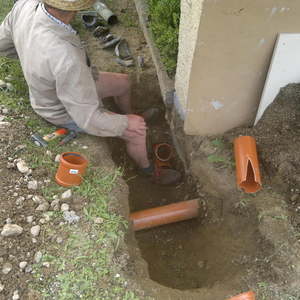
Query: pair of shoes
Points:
[107, 40]
[123, 53]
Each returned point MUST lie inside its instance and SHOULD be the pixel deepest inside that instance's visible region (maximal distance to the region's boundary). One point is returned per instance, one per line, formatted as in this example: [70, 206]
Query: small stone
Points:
[35, 230]
[49, 153]
[11, 230]
[38, 256]
[10, 165]
[29, 219]
[38, 199]
[54, 204]
[43, 207]
[7, 267]
[16, 295]
[64, 207]
[34, 240]
[85, 147]
[2, 84]
[1, 287]
[28, 269]
[5, 111]
[23, 265]
[2, 118]
[46, 264]
[98, 220]
[71, 217]
[57, 158]
[66, 195]
[59, 240]
[9, 86]
[32, 185]
[8, 221]
[42, 221]
[4, 124]
[20, 201]
[29, 197]
[22, 167]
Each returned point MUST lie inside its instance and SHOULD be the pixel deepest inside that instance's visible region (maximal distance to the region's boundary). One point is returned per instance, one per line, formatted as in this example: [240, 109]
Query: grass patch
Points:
[84, 266]
[164, 18]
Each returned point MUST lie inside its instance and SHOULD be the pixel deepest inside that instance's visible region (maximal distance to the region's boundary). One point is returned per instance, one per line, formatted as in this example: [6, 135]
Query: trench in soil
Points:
[197, 253]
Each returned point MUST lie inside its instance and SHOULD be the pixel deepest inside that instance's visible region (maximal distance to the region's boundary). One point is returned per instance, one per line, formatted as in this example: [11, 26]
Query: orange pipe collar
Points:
[245, 296]
[166, 214]
[71, 169]
[247, 165]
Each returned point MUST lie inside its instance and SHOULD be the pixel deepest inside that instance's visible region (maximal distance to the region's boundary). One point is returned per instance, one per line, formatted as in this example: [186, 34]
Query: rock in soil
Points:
[11, 230]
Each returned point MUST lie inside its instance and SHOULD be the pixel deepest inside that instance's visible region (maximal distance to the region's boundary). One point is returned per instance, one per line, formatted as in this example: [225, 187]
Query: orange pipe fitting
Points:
[163, 151]
[244, 296]
[71, 169]
[166, 214]
[247, 165]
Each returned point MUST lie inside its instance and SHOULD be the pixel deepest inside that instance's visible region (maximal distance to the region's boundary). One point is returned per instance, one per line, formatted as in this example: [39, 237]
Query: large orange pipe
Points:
[245, 296]
[247, 165]
[166, 214]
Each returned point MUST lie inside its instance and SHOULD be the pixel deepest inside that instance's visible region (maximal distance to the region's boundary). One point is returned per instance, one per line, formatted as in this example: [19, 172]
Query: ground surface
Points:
[239, 242]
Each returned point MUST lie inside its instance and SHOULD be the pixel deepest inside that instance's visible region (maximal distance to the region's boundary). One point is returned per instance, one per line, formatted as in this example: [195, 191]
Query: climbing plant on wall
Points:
[164, 16]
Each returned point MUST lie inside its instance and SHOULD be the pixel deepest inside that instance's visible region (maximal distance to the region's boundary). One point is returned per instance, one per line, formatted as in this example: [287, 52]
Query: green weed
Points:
[164, 18]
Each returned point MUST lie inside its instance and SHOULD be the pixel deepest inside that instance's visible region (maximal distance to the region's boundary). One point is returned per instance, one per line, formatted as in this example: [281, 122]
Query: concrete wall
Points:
[188, 35]
[220, 78]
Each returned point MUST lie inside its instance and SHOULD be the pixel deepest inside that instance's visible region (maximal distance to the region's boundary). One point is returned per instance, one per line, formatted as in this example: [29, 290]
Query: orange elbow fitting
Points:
[166, 214]
[244, 296]
[247, 165]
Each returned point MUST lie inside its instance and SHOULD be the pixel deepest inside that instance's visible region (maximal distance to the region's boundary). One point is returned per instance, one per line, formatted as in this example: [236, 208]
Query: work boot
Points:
[166, 176]
[151, 114]
[162, 176]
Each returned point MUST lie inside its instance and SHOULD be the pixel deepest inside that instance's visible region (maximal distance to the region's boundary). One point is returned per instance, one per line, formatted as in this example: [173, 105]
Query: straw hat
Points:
[70, 5]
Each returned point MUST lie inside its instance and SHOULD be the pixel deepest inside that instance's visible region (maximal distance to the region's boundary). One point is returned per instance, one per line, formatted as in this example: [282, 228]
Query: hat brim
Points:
[70, 5]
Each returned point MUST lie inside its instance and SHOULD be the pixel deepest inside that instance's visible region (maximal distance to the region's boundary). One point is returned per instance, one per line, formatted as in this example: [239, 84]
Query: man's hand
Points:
[136, 124]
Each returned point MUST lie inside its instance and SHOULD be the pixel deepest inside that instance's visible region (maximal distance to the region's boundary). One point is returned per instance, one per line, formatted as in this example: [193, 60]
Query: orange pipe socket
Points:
[163, 153]
[71, 169]
[247, 166]
[245, 296]
[166, 214]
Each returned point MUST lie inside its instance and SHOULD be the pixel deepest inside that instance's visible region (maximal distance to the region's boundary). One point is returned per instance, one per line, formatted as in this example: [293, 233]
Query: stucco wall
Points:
[188, 35]
[230, 60]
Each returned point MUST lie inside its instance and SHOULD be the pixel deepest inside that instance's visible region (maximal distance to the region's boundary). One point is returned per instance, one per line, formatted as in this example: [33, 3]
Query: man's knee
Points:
[125, 83]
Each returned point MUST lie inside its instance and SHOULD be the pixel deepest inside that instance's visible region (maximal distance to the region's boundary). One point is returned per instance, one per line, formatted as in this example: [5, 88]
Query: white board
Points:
[284, 69]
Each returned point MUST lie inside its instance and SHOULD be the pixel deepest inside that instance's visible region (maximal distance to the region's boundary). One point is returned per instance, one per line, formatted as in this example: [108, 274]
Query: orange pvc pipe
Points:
[166, 214]
[245, 296]
[247, 165]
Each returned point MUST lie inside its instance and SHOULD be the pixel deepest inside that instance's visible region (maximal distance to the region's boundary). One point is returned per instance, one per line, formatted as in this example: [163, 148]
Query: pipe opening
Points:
[250, 185]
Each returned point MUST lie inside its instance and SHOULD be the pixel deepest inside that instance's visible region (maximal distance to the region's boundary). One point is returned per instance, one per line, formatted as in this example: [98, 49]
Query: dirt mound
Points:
[278, 140]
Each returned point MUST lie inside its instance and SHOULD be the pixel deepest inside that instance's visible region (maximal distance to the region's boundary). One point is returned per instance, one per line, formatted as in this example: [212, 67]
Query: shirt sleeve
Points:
[76, 90]
[7, 47]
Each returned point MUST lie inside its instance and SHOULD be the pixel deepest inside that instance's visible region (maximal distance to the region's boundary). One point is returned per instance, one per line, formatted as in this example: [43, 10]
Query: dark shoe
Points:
[100, 31]
[108, 41]
[166, 176]
[151, 114]
[122, 50]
